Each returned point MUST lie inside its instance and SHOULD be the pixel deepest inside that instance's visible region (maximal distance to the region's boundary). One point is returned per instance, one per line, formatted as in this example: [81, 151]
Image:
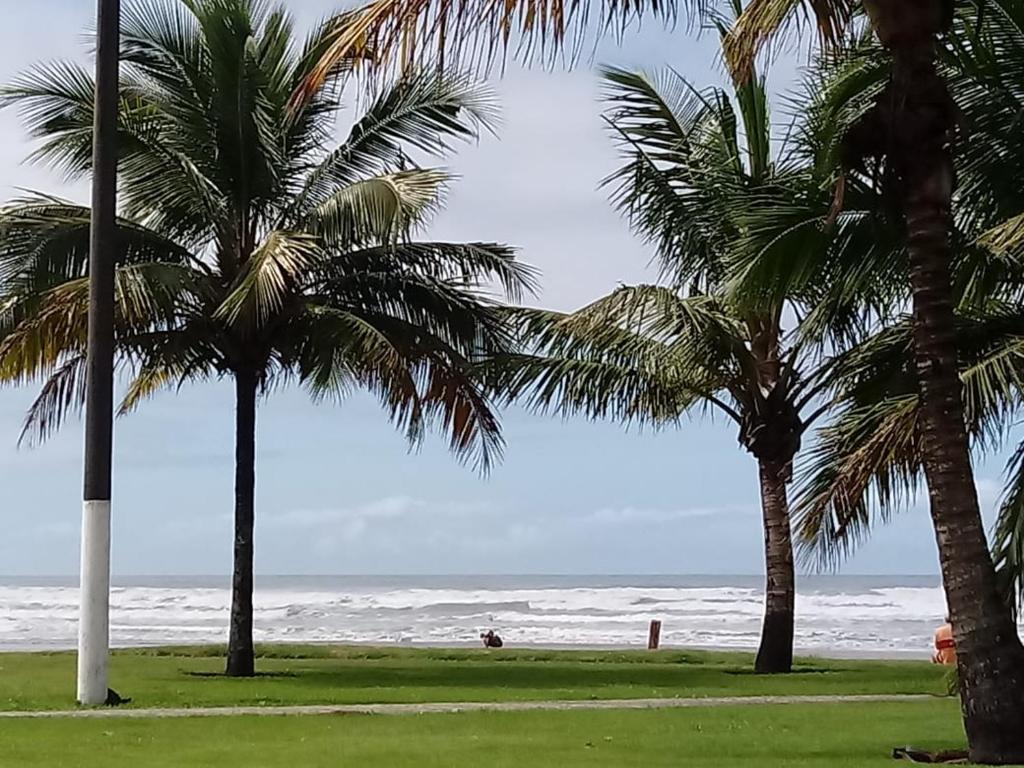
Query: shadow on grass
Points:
[469, 654]
[467, 672]
[460, 678]
[792, 673]
[441, 680]
[258, 675]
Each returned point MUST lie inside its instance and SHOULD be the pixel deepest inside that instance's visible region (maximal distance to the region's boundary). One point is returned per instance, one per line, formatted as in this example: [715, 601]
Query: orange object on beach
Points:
[945, 646]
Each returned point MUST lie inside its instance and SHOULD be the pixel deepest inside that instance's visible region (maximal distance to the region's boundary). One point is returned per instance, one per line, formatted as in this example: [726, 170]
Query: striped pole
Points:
[94, 611]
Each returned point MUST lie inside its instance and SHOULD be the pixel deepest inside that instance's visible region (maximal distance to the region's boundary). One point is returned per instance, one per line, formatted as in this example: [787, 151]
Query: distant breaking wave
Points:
[848, 615]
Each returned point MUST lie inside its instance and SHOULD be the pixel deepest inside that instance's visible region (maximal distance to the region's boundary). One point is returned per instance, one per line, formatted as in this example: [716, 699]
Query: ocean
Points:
[836, 615]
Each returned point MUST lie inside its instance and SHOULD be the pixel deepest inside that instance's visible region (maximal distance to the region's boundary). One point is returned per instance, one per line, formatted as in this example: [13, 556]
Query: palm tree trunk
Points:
[775, 654]
[241, 655]
[989, 652]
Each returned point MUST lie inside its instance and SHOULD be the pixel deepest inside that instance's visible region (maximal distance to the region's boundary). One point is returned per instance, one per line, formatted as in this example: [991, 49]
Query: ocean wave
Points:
[848, 615]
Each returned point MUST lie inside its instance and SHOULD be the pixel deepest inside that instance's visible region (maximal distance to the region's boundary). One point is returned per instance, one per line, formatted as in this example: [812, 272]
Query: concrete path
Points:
[478, 706]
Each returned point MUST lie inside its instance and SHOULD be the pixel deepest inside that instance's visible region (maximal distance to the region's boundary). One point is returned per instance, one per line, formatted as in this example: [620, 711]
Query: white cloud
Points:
[391, 507]
[350, 523]
[332, 527]
[495, 540]
[641, 515]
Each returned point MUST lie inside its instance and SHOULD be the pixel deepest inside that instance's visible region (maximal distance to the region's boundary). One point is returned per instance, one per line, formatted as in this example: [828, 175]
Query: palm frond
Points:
[1008, 534]
[378, 210]
[147, 297]
[683, 165]
[421, 380]
[339, 348]
[640, 355]
[863, 468]
[422, 111]
[455, 401]
[276, 269]
[698, 331]
[867, 465]
[1006, 236]
[564, 370]
[62, 394]
[403, 33]
[55, 102]
[166, 358]
[44, 241]
[763, 20]
[474, 269]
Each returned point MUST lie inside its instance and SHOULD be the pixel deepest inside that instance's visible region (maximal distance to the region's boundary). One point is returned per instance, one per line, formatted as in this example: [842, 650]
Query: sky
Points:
[338, 491]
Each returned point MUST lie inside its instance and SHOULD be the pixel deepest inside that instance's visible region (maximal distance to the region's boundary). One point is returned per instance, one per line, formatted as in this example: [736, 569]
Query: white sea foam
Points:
[850, 615]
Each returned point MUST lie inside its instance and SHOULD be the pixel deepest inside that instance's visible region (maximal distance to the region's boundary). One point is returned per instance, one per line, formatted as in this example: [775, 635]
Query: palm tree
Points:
[907, 139]
[650, 353]
[873, 442]
[252, 247]
[988, 78]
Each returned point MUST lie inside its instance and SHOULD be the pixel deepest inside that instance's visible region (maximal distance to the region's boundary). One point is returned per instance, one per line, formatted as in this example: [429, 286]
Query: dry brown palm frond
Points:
[477, 33]
[763, 20]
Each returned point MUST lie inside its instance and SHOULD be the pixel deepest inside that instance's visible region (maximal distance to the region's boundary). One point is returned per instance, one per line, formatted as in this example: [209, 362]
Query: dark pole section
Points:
[99, 402]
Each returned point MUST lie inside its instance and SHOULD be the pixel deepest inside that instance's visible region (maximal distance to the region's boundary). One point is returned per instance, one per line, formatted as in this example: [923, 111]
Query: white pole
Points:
[94, 622]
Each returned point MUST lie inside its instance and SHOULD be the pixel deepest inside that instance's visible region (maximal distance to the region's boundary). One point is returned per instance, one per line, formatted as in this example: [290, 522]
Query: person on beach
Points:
[491, 640]
[945, 647]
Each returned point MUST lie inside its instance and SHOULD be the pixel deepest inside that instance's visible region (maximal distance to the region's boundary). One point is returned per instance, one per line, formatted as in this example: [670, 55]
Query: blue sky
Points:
[337, 489]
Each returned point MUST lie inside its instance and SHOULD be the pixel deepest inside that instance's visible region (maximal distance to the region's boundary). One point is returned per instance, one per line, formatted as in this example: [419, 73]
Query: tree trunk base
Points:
[241, 663]
[992, 699]
[775, 654]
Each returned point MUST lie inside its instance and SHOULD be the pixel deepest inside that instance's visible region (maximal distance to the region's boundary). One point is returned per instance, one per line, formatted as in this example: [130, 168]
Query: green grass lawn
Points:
[329, 675]
[834, 735]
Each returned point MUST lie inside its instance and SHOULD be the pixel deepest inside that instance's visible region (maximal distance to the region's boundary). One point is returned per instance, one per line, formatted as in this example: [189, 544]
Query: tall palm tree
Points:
[987, 76]
[651, 353]
[648, 355]
[987, 280]
[252, 246]
[908, 139]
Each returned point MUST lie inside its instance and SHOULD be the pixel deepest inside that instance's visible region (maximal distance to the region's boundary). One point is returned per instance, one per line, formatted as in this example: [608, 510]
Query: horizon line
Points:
[421, 575]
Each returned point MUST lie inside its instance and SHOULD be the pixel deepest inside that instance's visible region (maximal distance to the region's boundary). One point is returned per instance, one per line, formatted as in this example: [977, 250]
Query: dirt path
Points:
[487, 706]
